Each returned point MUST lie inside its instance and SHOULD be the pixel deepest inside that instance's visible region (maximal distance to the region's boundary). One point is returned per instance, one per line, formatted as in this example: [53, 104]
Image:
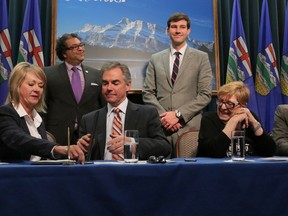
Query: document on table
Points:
[235, 161]
[275, 159]
[54, 162]
[123, 162]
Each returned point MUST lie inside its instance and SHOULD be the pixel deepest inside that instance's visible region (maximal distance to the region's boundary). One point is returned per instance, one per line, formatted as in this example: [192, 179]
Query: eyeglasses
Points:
[76, 47]
[229, 105]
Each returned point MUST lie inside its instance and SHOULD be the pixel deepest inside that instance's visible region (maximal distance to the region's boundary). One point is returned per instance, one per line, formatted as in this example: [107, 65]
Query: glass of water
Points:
[238, 145]
[131, 141]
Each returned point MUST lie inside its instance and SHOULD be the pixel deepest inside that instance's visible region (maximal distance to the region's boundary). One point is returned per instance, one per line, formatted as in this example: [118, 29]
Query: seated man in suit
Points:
[280, 130]
[97, 125]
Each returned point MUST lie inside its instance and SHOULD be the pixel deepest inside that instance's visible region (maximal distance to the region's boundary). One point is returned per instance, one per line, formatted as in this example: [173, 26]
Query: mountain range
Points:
[135, 35]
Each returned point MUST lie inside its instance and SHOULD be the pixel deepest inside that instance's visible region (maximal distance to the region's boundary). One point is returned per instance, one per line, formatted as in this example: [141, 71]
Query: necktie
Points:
[76, 84]
[117, 130]
[175, 67]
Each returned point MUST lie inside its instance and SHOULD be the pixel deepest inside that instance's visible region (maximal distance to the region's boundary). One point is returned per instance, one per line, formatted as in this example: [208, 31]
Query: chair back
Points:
[187, 144]
[51, 137]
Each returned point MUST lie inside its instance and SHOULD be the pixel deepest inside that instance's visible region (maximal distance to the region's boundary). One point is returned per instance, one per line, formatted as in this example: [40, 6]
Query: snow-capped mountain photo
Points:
[135, 35]
[130, 31]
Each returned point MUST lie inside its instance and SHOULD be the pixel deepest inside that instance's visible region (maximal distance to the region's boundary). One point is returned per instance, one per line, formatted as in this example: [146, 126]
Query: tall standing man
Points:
[178, 81]
[72, 89]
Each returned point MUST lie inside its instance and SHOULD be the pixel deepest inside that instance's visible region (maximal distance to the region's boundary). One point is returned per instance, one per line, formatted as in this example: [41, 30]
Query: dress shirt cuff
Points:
[52, 153]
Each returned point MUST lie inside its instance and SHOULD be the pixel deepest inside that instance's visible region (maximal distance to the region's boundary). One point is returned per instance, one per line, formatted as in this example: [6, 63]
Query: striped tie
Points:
[175, 67]
[117, 130]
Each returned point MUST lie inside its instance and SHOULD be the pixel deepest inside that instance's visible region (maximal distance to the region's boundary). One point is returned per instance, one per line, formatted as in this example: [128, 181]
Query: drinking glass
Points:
[238, 145]
[131, 141]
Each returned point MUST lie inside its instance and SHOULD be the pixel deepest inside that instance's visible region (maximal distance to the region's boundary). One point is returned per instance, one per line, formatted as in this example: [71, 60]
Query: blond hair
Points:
[16, 78]
[237, 88]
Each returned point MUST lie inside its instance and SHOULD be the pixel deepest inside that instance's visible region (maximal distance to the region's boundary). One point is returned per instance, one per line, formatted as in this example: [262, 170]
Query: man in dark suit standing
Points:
[116, 82]
[64, 109]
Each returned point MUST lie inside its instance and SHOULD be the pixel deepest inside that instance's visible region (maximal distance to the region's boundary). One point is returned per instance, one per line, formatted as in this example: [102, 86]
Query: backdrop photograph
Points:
[130, 31]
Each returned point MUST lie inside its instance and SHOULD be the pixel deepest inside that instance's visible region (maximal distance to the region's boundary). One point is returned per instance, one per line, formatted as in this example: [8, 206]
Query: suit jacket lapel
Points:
[42, 131]
[166, 64]
[64, 75]
[131, 116]
[24, 125]
[86, 80]
[101, 130]
[185, 62]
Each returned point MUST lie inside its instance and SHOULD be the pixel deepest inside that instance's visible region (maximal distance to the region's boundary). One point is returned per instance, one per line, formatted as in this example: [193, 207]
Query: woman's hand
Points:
[75, 152]
[249, 119]
[242, 118]
[238, 120]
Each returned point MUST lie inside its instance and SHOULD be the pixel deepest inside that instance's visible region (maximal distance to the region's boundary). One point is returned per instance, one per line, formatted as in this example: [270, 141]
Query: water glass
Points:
[131, 141]
[238, 145]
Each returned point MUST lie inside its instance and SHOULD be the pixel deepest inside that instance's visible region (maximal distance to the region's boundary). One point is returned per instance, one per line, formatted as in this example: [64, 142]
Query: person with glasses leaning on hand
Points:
[232, 114]
[22, 132]
[65, 105]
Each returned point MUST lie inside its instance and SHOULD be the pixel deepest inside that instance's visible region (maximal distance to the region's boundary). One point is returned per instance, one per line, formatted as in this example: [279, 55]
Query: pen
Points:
[68, 146]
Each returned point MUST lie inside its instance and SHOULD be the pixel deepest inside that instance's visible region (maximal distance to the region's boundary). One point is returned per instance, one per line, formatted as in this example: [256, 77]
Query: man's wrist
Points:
[58, 152]
[178, 114]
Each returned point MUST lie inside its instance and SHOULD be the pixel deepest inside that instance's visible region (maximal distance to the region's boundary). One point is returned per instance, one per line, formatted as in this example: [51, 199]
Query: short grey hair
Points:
[114, 64]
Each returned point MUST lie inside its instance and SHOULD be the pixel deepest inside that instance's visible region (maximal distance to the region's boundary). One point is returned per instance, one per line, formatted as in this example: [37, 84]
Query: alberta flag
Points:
[30, 47]
[284, 62]
[267, 79]
[239, 65]
[5, 52]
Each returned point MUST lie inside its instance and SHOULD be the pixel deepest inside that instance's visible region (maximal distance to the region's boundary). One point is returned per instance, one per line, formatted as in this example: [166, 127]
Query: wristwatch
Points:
[178, 114]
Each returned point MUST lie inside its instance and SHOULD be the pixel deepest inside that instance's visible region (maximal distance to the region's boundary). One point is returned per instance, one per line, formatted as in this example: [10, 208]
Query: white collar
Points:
[69, 66]
[122, 107]
[182, 50]
[22, 113]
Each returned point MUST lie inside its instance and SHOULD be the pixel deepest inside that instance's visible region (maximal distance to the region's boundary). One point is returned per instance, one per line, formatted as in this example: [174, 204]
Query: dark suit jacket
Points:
[62, 107]
[16, 143]
[280, 130]
[145, 119]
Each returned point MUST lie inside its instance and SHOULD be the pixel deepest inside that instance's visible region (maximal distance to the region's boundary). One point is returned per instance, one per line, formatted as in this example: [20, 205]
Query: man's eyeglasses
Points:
[76, 47]
[229, 105]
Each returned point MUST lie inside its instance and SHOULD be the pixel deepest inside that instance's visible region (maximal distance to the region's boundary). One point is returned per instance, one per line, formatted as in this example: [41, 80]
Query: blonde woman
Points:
[22, 132]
